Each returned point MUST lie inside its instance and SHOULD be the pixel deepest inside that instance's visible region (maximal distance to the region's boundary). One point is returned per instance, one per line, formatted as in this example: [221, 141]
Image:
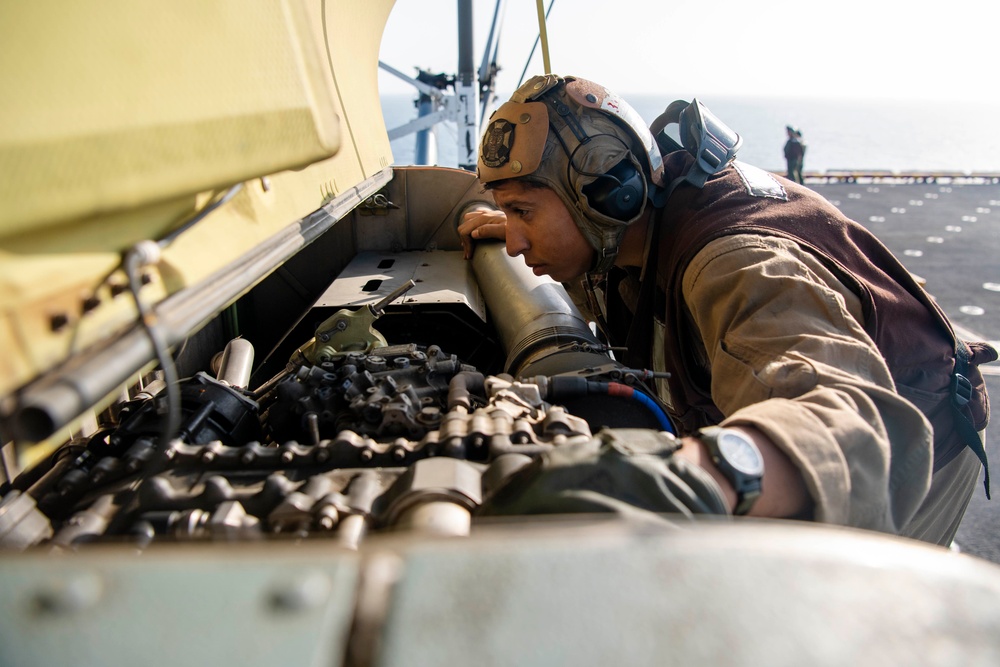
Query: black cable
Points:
[135, 258]
[570, 155]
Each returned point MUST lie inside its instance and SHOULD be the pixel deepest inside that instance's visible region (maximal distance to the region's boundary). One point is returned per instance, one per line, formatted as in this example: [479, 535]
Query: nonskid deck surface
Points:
[948, 233]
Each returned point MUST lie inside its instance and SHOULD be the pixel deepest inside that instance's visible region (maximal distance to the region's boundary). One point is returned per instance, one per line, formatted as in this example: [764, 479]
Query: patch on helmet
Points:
[497, 143]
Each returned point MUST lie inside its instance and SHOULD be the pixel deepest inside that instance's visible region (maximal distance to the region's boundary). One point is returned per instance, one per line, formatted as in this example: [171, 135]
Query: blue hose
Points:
[650, 404]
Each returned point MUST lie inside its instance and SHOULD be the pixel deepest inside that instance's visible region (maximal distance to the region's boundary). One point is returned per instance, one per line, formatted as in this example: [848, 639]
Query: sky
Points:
[880, 49]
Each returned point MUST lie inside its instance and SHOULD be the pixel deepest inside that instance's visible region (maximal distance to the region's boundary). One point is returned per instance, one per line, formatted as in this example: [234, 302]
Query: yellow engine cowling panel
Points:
[120, 122]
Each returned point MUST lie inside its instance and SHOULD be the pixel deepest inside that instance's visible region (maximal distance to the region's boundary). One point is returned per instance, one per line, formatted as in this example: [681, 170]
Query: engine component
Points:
[534, 316]
[213, 411]
[21, 524]
[348, 330]
[236, 364]
[343, 441]
[405, 438]
[394, 391]
[436, 496]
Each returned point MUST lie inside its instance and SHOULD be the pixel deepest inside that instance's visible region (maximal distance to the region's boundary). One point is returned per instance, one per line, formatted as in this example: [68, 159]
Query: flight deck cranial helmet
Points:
[586, 144]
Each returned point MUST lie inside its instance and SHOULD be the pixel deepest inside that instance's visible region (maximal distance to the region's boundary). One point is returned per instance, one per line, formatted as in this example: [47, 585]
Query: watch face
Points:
[741, 453]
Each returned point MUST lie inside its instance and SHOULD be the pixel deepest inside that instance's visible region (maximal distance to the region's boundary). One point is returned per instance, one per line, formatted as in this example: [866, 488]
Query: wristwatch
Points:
[739, 460]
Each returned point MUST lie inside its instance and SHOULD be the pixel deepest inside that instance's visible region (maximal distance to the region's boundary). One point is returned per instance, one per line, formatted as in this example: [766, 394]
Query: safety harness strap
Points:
[962, 392]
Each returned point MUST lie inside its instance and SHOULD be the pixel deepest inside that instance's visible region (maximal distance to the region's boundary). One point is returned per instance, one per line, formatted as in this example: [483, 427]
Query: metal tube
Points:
[466, 66]
[466, 91]
[351, 530]
[236, 364]
[439, 518]
[426, 141]
[533, 314]
[378, 307]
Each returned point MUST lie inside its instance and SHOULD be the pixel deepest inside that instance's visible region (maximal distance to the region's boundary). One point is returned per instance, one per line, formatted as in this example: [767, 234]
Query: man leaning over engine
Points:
[777, 317]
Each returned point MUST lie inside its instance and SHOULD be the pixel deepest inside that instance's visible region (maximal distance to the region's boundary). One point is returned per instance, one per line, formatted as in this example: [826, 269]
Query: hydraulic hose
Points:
[569, 386]
[618, 389]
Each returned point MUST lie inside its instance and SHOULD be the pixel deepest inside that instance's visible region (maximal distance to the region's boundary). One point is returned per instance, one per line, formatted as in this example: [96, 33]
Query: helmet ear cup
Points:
[618, 193]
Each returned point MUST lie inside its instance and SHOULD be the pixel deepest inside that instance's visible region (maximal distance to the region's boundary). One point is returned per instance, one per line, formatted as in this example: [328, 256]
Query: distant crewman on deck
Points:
[841, 391]
[795, 153]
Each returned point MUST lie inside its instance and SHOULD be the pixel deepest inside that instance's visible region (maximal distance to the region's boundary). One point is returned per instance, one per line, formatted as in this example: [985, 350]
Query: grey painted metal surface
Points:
[442, 277]
[581, 592]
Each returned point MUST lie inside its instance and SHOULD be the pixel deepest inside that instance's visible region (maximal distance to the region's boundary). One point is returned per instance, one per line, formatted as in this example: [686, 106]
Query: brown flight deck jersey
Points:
[776, 311]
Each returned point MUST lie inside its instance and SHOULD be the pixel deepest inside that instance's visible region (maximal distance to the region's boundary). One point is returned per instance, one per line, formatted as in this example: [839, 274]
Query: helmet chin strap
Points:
[604, 259]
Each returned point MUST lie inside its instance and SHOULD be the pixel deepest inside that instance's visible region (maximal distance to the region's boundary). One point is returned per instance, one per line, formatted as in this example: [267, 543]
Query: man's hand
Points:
[482, 223]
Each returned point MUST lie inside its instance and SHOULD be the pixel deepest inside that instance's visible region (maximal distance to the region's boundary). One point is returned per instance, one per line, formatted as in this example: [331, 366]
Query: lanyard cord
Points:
[543, 36]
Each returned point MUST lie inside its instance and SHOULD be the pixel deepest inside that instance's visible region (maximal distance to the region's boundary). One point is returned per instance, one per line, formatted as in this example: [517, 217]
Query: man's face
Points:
[540, 227]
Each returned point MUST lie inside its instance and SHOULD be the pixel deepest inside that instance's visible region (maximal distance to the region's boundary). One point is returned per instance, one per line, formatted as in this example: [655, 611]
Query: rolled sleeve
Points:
[787, 355]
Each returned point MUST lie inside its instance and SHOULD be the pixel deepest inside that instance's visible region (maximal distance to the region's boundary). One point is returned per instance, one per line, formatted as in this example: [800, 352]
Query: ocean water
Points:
[946, 136]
